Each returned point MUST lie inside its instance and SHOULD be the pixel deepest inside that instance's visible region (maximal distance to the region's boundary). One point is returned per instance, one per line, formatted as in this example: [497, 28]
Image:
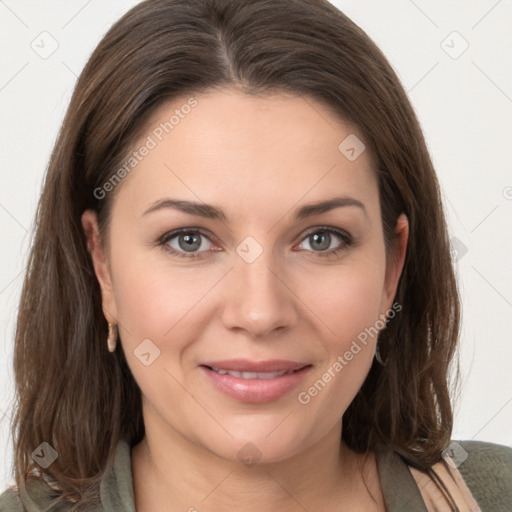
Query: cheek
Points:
[152, 300]
[164, 305]
[346, 299]
[347, 303]
[161, 300]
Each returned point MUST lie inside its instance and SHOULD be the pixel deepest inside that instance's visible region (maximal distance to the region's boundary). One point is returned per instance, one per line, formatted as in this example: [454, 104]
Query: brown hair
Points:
[82, 400]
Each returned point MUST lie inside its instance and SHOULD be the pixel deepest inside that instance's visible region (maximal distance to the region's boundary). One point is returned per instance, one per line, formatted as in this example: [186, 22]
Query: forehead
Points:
[248, 150]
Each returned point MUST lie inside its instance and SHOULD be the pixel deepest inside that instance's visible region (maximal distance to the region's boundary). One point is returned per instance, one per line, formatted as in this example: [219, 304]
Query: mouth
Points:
[253, 381]
[251, 375]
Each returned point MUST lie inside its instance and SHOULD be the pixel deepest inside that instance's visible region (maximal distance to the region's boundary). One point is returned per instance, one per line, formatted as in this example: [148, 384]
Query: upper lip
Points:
[245, 365]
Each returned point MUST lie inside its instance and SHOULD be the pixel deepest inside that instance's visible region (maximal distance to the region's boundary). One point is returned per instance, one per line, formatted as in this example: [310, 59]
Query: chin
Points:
[257, 448]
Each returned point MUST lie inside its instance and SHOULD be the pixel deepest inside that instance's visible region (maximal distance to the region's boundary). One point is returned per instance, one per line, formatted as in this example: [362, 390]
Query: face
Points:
[243, 318]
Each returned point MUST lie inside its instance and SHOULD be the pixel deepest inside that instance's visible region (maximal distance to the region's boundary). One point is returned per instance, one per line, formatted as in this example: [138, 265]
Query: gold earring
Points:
[112, 337]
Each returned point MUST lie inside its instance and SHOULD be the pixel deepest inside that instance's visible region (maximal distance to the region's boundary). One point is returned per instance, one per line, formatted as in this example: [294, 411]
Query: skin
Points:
[259, 158]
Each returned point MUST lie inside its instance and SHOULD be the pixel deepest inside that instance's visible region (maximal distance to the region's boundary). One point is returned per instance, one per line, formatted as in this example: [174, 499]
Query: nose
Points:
[259, 298]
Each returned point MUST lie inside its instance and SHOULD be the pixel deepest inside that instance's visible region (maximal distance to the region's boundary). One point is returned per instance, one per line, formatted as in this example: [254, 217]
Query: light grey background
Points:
[463, 98]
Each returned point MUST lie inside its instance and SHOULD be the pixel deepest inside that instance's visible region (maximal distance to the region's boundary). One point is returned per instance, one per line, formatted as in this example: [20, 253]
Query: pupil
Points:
[191, 242]
[326, 239]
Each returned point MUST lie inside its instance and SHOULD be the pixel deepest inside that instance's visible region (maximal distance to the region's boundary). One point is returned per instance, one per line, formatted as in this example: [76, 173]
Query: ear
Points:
[100, 263]
[395, 262]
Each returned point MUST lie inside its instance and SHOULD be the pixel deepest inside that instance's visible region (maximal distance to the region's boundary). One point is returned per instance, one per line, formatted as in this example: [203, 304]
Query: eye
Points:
[323, 241]
[186, 242]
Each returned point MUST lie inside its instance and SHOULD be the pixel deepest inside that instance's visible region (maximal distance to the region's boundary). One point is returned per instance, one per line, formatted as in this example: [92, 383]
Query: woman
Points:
[241, 281]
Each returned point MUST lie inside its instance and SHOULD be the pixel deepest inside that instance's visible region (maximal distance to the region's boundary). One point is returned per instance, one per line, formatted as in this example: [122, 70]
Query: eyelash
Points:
[347, 241]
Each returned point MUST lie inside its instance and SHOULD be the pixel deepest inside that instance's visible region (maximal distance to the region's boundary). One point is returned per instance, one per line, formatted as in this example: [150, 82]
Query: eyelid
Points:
[329, 229]
[175, 232]
[347, 240]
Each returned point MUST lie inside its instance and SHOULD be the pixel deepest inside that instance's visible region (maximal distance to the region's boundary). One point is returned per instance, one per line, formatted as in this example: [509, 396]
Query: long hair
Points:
[76, 396]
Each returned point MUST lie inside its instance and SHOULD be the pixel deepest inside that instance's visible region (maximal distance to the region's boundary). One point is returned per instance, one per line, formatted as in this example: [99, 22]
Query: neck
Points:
[171, 472]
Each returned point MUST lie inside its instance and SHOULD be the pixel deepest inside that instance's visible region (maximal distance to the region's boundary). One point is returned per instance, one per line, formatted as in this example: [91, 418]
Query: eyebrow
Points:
[213, 212]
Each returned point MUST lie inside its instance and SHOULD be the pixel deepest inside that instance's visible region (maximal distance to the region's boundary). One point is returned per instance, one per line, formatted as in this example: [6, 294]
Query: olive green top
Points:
[487, 472]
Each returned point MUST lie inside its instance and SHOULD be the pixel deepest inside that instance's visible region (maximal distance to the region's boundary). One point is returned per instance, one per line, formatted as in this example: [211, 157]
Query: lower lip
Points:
[257, 391]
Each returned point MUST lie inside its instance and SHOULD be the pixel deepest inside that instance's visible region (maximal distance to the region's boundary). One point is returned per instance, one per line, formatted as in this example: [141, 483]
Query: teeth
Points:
[251, 375]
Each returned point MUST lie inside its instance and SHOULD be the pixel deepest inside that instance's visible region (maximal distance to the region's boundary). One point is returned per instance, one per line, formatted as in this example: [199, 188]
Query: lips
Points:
[255, 381]
[251, 375]
[245, 365]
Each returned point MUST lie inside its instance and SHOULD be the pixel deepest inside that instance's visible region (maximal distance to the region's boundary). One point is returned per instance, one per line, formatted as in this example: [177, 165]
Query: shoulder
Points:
[115, 491]
[487, 471]
[10, 501]
[38, 496]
